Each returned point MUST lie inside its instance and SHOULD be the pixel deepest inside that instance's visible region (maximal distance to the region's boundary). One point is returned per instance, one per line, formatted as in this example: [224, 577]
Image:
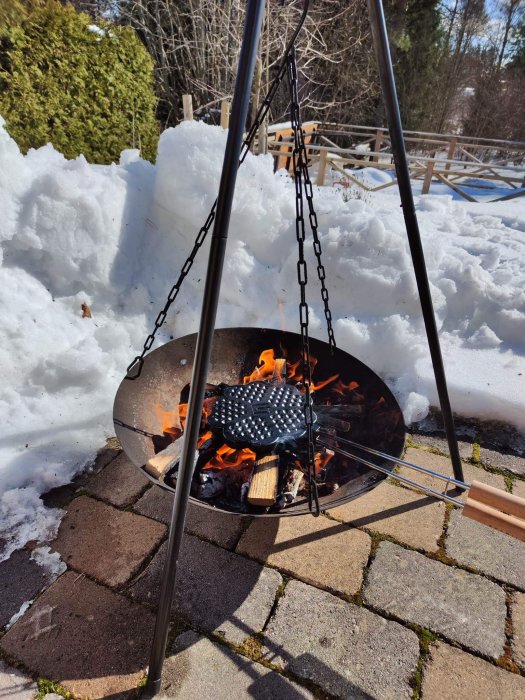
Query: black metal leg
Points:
[241, 99]
[379, 32]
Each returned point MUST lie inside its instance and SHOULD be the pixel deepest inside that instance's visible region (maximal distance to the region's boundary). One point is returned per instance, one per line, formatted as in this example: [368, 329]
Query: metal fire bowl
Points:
[235, 354]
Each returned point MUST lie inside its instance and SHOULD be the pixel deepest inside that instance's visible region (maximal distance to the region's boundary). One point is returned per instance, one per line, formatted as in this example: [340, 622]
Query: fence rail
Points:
[450, 159]
[446, 158]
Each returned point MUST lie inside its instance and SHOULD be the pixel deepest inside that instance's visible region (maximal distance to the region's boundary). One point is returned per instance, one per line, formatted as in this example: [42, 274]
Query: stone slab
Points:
[119, 483]
[463, 607]
[409, 517]
[518, 629]
[438, 442]
[451, 673]
[21, 579]
[503, 461]
[346, 650]
[90, 640]
[216, 590]
[316, 550]
[489, 551]
[443, 465]
[14, 685]
[518, 488]
[212, 525]
[198, 668]
[105, 543]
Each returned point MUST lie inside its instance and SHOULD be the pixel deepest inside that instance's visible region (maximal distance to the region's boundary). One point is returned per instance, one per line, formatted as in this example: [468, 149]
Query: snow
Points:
[114, 238]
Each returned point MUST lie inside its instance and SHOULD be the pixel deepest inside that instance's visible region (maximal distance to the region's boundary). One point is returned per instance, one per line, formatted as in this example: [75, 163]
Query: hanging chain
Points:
[302, 277]
[138, 362]
[321, 272]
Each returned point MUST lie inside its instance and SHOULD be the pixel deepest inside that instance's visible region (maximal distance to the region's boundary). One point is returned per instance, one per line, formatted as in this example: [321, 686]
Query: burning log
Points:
[263, 486]
[292, 485]
[164, 461]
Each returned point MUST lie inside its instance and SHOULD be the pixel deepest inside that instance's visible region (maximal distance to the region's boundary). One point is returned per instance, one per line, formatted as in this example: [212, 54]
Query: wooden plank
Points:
[455, 188]
[263, 486]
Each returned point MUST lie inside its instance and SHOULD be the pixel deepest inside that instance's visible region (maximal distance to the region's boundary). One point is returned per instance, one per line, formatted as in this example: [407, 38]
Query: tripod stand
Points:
[240, 104]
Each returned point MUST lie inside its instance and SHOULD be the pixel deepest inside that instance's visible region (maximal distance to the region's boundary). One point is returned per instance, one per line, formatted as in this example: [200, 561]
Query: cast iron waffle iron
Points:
[259, 415]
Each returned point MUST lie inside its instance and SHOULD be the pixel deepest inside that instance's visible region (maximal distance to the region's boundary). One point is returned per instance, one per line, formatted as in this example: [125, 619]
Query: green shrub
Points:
[85, 91]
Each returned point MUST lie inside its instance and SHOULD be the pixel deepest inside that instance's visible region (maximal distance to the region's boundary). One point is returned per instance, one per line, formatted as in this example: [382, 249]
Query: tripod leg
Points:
[384, 60]
[241, 99]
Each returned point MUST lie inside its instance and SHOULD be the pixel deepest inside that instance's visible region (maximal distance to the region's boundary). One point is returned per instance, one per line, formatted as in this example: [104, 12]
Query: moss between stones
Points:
[45, 686]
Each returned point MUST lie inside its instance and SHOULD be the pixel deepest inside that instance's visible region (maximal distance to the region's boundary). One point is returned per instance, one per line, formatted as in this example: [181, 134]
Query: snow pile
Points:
[114, 237]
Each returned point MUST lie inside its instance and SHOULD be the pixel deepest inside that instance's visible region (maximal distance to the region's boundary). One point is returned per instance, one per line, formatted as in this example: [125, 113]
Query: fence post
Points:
[428, 177]
[187, 107]
[377, 144]
[452, 148]
[225, 114]
[323, 159]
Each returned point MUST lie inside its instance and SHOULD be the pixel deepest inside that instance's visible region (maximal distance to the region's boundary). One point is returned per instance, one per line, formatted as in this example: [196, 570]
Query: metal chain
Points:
[321, 272]
[201, 236]
[302, 277]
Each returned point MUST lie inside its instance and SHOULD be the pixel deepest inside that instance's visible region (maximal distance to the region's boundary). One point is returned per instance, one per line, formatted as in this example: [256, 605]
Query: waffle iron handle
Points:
[497, 509]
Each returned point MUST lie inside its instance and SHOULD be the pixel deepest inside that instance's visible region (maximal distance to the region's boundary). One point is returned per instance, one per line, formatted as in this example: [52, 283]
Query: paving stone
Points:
[443, 465]
[518, 488]
[503, 461]
[52, 696]
[106, 543]
[212, 525]
[317, 550]
[441, 443]
[518, 629]
[216, 589]
[200, 669]
[490, 551]
[346, 650]
[451, 673]
[464, 607]
[90, 640]
[14, 685]
[410, 517]
[120, 482]
[21, 579]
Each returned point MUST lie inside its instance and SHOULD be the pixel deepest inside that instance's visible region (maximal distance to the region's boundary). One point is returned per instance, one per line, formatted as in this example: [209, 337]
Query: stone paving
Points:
[391, 596]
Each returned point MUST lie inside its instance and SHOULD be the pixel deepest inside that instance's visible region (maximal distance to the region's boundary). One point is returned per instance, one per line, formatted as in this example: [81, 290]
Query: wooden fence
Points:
[457, 161]
[447, 158]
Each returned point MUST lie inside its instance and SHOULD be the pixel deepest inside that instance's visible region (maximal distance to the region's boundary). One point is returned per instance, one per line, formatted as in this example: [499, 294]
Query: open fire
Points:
[252, 450]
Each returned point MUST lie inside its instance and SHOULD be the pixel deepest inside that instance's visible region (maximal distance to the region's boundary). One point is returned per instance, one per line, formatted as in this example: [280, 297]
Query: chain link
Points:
[135, 368]
[302, 278]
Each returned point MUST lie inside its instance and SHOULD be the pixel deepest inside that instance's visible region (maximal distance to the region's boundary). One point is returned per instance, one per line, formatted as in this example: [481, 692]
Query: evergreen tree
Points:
[84, 88]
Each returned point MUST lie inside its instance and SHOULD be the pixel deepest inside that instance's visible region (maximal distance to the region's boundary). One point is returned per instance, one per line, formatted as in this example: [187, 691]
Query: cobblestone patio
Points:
[392, 596]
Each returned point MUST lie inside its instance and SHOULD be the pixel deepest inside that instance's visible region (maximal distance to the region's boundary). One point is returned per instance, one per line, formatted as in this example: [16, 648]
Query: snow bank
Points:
[114, 237]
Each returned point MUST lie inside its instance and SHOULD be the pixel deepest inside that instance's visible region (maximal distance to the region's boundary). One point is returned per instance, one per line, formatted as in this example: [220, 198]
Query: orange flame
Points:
[170, 421]
[268, 368]
[229, 458]
[293, 373]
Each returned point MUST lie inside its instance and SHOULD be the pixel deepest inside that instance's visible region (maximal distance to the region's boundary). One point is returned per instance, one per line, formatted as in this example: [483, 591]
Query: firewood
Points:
[263, 487]
[292, 485]
[163, 461]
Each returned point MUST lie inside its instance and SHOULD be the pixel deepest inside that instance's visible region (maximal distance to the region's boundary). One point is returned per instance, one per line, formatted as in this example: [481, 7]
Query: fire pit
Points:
[252, 450]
